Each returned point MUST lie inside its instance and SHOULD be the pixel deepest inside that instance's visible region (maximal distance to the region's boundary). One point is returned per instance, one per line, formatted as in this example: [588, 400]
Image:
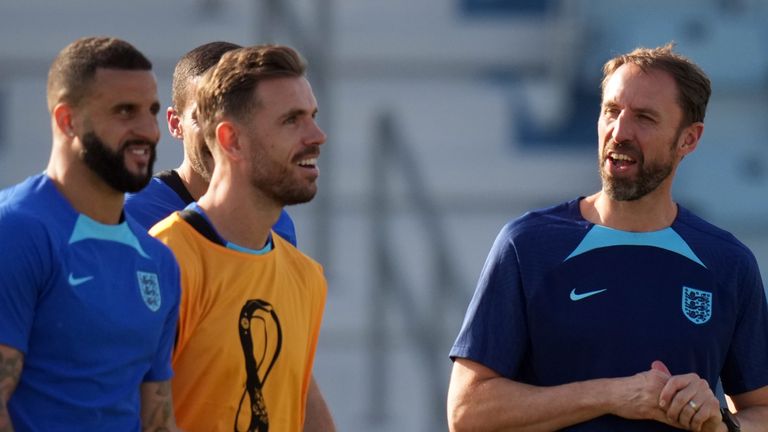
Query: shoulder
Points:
[184, 242]
[32, 209]
[153, 203]
[297, 260]
[549, 221]
[711, 241]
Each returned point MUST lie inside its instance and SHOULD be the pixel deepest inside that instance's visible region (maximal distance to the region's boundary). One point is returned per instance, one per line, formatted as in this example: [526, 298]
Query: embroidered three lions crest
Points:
[149, 287]
[697, 305]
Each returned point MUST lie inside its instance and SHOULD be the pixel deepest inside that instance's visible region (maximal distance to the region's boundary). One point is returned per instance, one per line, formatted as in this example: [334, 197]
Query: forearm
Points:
[481, 400]
[753, 419]
[318, 417]
[157, 407]
[5, 419]
[11, 362]
[501, 404]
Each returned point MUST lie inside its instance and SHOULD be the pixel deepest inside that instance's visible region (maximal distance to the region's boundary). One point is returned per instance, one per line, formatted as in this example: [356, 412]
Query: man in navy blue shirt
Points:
[619, 311]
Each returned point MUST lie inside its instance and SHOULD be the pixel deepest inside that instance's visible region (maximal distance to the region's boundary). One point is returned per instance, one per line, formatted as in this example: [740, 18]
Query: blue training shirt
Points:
[561, 300]
[166, 194]
[92, 307]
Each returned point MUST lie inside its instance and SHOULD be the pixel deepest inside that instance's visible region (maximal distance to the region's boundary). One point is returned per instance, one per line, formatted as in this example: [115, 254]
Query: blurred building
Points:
[445, 119]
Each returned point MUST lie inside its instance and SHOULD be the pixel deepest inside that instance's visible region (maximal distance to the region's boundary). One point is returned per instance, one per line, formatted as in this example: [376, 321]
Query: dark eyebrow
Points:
[297, 112]
[647, 111]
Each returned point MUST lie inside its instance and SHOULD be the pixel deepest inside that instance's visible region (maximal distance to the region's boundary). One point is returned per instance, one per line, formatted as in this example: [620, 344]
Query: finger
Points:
[659, 365]
[687, 413]
[713, 424]
[670, 391]
[680, 408]
[708, 414]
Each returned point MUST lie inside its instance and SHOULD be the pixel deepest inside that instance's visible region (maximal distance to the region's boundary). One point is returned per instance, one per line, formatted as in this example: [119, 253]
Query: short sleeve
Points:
[494, 331]
[161, 365]
[746, 365]
[26, 269]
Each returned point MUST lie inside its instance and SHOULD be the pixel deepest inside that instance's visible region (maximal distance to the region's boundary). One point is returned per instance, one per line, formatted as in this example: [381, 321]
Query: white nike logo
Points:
[577, 297]
[75, 281]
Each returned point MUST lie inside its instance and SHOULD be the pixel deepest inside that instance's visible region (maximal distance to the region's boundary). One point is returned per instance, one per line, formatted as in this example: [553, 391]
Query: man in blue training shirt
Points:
[619, 311]
[88, 300]
[173, 190]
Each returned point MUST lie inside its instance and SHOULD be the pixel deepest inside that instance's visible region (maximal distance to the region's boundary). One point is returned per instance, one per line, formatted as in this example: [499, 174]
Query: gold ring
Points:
[694, 405]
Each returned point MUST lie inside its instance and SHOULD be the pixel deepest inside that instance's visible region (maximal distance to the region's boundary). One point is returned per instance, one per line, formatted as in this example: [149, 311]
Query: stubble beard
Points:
[648, 179]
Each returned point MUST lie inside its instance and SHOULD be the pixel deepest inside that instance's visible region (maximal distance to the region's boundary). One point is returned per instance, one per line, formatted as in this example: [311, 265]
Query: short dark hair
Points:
[194, 64]
[693, 85]
[75, 66]
[228, 89]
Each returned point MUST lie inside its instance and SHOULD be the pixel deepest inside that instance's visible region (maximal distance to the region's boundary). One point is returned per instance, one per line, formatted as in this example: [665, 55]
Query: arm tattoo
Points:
[10, 371]
[159, 413]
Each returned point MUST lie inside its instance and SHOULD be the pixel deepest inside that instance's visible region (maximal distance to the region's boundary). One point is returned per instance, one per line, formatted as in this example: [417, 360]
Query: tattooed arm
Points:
[157, 407]
[11, 361]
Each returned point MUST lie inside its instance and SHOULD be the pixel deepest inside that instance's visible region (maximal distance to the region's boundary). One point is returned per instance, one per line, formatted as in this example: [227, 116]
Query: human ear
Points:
[691, 137]
[228, 140]
[62, 116]
[174, 123]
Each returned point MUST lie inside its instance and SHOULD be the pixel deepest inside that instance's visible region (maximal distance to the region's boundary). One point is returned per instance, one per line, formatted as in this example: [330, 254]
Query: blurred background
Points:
[446, 119]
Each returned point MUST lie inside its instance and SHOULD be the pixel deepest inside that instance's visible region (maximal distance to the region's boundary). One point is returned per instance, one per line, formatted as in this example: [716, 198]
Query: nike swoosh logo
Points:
[75, 281]
[582, 296]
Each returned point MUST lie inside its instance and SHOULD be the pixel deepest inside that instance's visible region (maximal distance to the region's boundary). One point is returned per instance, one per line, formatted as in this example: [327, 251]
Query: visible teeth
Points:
[139, 151]
[308, 162]
[620, 157]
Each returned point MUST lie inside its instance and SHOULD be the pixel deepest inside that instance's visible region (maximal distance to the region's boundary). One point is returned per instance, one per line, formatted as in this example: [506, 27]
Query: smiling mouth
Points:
[139, 151]
[620, 160]
[308, 163]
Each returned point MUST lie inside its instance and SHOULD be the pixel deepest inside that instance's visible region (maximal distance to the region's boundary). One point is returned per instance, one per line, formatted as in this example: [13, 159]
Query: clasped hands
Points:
[682, 401]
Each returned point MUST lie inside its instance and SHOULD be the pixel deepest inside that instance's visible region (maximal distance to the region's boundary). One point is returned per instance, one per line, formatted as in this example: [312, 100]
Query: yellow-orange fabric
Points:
[275, 301]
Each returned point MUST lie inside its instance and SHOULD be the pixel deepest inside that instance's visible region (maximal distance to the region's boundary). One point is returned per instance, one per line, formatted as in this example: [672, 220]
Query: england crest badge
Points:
[150, 290]
[697, 305]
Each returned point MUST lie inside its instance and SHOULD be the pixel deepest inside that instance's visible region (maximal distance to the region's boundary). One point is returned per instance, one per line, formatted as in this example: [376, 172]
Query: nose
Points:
[621, 128]
[148, 129]
[316, 136]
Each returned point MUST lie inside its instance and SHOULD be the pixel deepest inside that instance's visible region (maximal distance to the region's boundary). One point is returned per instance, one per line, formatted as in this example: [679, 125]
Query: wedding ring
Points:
[694, 405]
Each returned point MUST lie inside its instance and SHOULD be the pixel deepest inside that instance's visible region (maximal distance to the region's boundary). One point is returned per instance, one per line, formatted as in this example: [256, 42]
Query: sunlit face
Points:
[639, 132]
[117, 125]
[195, 150]
[284, 141]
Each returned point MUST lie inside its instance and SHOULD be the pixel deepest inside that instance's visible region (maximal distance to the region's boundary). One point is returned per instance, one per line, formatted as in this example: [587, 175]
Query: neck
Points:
[86, 192]
[649, 213]
[194, 182]
[240, 214]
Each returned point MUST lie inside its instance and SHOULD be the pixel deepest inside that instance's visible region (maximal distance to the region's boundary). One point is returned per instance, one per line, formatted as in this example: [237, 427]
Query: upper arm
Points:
[495, 328]
[157, 406]
[318, 415]
[752, 409]
[11, 362]
[26, 269]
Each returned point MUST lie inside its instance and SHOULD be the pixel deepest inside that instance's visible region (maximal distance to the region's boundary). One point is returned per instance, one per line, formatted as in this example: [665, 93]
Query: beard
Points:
[110, 165]
[648, 178]
[277, 183]
[201, 162]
